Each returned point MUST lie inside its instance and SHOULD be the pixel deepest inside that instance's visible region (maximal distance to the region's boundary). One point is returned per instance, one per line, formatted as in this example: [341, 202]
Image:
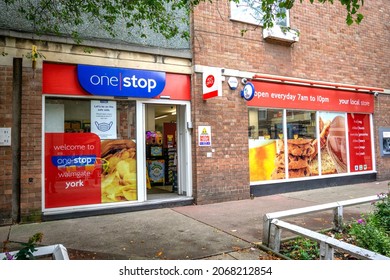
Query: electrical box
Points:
[5, 136]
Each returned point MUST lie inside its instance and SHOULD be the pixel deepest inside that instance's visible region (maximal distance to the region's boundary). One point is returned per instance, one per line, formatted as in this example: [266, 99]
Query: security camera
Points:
[376, 93]
[244, 81]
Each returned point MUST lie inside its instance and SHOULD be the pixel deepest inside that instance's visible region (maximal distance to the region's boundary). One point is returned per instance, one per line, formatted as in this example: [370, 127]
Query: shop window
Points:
[90, 152]
[301, 140]
[249, 11]
[332, 143]
[316, 143]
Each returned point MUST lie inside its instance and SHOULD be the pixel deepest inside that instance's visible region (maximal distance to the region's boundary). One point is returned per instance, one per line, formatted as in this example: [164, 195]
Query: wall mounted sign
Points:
[60, 78]
[248, 92]
[279, 95]
[108, 81]
[212, 84]
[204, 134]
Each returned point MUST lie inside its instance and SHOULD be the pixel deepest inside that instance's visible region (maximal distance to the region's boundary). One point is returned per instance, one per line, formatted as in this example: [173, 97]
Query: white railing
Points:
[272, 229]
[57, 252]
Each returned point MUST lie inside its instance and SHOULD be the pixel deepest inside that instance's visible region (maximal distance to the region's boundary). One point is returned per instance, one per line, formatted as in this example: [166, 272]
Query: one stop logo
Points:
[210, 81]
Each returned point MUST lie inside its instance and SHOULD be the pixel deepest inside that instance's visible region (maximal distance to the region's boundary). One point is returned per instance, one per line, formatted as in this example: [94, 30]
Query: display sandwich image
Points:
[267, 157]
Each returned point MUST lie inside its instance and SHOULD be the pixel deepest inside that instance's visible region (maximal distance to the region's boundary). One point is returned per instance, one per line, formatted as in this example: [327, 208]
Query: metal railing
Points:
[57, 252]
[273, 226]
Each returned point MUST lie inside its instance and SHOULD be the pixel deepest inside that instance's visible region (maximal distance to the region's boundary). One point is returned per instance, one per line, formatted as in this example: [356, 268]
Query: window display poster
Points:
[72, 169]
[262, 159]
[103, 118]
[119, 175]
[359, 142]
[332, 144]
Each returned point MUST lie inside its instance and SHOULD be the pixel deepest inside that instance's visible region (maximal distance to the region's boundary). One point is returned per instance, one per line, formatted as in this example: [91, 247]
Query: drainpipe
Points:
[15, 137]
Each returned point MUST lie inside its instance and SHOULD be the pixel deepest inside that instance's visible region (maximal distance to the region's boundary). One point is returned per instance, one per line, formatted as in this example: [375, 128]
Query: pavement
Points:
[221, 231]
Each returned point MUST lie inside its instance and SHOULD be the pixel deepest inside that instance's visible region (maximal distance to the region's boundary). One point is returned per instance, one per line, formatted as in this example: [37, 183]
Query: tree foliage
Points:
[66, 16]
[277, 8]
[160, 16]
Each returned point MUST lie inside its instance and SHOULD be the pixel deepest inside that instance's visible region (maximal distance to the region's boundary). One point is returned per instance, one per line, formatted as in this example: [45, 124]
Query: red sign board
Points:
[279, 95]
[211, 83]
[62, 79]
[359, 142]
[72, 169]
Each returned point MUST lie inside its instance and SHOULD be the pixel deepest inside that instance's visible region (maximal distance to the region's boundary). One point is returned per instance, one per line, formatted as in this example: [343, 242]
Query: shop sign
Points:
[108, 81]
[103, 118]
[58, 78]
[279, 95]
[204, 133]
[212, 85]
[72, 169]
[248, 92]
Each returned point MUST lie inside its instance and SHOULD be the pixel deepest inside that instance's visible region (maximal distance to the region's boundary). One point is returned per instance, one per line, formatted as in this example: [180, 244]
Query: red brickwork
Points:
[225, 175]
[5, 151]
[328, 50]
[31, 145]
[31, 142]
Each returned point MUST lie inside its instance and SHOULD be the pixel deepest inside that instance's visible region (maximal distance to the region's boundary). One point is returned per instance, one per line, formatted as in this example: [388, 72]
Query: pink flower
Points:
[9, 256]
[361, 222]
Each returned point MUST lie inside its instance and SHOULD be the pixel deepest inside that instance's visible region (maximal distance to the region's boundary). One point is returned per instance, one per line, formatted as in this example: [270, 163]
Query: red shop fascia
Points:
[67, 80]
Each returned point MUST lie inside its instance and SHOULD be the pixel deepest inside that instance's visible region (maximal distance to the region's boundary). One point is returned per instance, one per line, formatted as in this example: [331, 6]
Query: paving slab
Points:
[226, 230]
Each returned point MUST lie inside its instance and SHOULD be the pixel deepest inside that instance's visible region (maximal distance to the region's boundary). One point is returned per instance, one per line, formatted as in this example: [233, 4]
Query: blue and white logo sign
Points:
[248, 91]
[108, 81]
[73, 160]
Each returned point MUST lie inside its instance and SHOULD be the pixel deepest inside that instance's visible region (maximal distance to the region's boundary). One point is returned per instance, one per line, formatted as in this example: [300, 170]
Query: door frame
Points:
[184, 176]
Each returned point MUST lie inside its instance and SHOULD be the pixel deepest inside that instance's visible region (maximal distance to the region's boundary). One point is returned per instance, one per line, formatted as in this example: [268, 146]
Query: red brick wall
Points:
[382, 119]
[328, 50]
[31, 145]
[5, 152]
[31, 142]
[225, 175]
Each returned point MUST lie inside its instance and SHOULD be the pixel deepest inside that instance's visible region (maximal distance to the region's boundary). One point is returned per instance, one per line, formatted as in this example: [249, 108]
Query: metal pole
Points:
[16, 137]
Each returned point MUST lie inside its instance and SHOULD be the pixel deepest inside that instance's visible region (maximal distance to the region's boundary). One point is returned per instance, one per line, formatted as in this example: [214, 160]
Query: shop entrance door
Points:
[166, 152]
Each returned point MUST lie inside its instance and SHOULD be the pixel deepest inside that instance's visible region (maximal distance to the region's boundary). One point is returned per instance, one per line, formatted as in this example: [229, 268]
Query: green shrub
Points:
[369, 236]
[372, 231]
[381, 213]
[301, 249]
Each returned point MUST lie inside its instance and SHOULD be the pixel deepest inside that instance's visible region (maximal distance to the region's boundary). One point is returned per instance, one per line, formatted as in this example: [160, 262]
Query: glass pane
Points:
[250, 11]
[84, 168]
[119, 175]
[301, 135]
[265, 130]
[333, 149]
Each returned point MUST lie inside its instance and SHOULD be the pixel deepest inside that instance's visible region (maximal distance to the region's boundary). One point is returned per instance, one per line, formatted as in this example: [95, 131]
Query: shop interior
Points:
[161, 149]
[268, 124]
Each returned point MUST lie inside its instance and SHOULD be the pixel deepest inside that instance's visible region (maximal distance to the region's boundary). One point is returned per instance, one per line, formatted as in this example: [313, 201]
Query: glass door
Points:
[166, 145]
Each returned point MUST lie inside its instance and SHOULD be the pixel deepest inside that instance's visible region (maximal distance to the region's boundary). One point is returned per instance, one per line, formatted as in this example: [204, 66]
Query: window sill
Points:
[278, 35]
